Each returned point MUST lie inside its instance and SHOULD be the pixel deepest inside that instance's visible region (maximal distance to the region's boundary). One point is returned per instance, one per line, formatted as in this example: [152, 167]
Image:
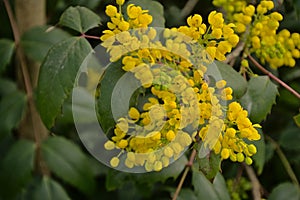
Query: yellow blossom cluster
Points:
[218, 39]
[230, 6]
[260, 25]
[181, 105]
[137, 18]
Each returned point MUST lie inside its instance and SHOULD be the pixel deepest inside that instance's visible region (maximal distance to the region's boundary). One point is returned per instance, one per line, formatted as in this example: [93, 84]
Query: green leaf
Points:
[80, 19]
[186, 193]
[81, 107]
[259, 98]
[203, 188]
[6, 51]
[297, 120]
[259, 157]
[108, 82]
[290, 138]
[210, 165]
[285, 191]
[156, 10]
[48, 189]
[37, 41]
[232, 77]
[12, 106]
[220, 187]
[16, 168]
[68, 162]
[57, 76]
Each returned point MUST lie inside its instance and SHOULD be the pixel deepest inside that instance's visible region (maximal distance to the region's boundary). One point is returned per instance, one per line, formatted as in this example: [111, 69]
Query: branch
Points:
[235, 53]
[255, 182]
[261, 68]
[189, 6]
[90, 36]
[187, 169]
[33, 116]
[284, 161]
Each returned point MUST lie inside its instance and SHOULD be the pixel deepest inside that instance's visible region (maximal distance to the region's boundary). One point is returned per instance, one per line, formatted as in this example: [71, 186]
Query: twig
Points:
[235, 53]
[187, 9]
[261, 68]
[284, 161]
[90, 36]
[36, 129]
[186, 170]
[255, 182]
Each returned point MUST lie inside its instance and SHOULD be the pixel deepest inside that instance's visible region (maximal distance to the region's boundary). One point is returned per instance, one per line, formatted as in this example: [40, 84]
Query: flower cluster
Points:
[218, 39]
[138, 18]
[230, 6]
[260, 26]
[179, 104]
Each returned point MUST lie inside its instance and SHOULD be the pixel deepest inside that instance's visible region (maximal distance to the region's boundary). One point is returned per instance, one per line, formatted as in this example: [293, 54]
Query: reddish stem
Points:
[90, 36]
[259, 66]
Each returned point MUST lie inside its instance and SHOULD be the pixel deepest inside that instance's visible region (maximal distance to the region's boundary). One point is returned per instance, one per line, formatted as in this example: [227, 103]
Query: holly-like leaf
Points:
[259, 157]
[259, 98]
[16, 168]
[204, 189]
[219, 70]
[285, 191]
[114, 94]
[37, 41]
[210, 164]
[290, 138]
[79, 18]
[156, 10]
[68, 162]
[297, 120]
[6, 51]
[186, 193]
[220, 187]
[12, 106]
[47, 189]
[57, 76]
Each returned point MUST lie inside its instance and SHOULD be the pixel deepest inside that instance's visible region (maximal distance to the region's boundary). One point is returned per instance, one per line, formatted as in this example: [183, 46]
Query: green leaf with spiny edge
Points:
[259, 157]
[290, 138]
[79, 18]
[6, 51]
[12, 107]
[285, 191]
[67, 161]
[47, 189]
[220, 70]
[156, 10]
[16, 168]
[210, 165]
[297, 120]
[37, 41]
[57, 76]
[220, 187]
[203, 188]
[259, 98]
[116, 89]
[187, 193]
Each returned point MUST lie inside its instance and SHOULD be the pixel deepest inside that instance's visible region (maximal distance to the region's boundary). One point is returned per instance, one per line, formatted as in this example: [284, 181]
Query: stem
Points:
[33, 124]
[284, 161]
[189, 6]
[186, 170]
[90, 36]
[255, 182]
[261, 68]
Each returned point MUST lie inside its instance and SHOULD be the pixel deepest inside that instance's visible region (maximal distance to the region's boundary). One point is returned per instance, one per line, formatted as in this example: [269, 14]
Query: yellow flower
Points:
[120, 2]
[111, 11]
[134, 114]
[133, 11]
[194, 21]
[216, 19]
[114, 162]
